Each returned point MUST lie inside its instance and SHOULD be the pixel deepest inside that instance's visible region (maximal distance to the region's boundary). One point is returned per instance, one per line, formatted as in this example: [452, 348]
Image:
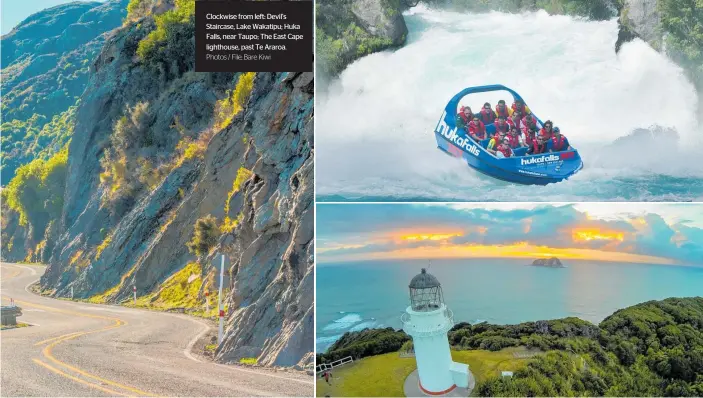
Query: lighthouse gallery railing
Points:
[428, 330]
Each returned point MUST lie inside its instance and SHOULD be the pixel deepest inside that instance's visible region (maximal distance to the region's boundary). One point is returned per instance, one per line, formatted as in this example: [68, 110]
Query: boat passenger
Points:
[558, 142]
[501, 125]
[502, 110]
[464, 117]
[515, 140]
[539, 145]
[495, 142]
[530, 136]
[546, 131]
[477, 130]
[515, 119]
[529, 122]
[504, 150]
[487, 115]
[519, 105]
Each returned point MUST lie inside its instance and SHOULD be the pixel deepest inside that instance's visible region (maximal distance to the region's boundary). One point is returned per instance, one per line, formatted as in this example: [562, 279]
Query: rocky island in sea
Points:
[548, 262]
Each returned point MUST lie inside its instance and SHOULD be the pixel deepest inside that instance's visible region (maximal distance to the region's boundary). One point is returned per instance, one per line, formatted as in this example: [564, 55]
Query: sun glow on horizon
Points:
[516, 250]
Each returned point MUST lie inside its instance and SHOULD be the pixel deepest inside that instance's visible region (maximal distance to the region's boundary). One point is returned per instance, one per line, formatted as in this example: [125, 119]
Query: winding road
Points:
[80, 349]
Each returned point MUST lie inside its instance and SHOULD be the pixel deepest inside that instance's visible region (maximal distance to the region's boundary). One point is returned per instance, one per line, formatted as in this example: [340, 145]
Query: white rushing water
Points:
[374, 128]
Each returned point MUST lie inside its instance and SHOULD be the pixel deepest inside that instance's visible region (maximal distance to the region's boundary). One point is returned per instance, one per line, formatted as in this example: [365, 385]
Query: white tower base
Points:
[437, 373]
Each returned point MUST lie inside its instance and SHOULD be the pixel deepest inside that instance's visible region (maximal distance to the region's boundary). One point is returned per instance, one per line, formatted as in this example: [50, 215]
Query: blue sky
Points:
[16, 11]
[638, 233]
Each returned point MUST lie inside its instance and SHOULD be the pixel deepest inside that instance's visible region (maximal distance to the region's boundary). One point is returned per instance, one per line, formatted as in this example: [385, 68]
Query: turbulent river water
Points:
[631, 115]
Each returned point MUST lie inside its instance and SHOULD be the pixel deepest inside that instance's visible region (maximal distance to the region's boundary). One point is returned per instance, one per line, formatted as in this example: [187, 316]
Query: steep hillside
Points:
[46, 61]
[166, 168]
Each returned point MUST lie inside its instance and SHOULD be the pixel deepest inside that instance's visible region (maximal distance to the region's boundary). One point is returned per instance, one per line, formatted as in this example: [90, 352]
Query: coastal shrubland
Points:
[650, 349]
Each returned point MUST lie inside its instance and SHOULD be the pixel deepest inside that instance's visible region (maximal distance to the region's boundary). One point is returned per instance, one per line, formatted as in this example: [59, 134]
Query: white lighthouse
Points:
[427, 320]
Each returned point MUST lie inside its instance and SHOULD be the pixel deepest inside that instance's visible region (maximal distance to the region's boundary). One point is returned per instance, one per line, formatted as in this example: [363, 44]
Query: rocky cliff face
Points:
[255, 168]
[45, 67]
[350, 29]
[639, 18]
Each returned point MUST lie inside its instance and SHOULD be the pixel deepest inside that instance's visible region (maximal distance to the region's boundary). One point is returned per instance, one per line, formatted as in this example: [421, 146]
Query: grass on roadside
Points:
[248, 361]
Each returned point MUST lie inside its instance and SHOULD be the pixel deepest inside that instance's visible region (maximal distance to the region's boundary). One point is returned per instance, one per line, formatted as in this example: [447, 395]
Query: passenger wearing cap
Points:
[487, 115]
[558, 142]
[539, 145]
[546, 131]
[464, 117]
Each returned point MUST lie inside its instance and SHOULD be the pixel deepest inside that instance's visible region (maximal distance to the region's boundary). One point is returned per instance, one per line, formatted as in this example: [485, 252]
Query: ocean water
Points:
[374, 129]
[356, 295]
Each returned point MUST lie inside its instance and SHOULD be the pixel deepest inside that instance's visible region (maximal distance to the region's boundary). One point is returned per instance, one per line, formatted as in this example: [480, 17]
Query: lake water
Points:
[356, 295]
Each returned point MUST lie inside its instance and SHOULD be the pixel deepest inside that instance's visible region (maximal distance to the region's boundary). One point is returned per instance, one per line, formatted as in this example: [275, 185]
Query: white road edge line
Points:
[189, 354]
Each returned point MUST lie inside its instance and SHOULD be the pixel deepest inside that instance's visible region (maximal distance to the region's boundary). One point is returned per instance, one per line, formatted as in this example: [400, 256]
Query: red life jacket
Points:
[517, 107]
[544, 133]
[529, 138]
[507, 152]
[503, 112]
[558, 144]
[478, 129]
[514, 140]
[466, 119]
[486, 117]
[501, 127]
[529, 123]
[537, 149]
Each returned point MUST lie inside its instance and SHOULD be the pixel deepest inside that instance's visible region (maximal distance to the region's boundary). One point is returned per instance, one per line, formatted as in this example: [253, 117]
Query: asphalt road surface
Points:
[79, 349]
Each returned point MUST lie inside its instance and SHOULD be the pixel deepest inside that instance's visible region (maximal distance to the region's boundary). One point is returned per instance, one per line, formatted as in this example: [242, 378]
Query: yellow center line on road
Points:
[14, 274]
[47, 352]
[68, 376]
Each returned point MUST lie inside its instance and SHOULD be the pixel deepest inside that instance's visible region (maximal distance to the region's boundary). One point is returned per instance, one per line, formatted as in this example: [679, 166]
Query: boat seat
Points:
[521, 151]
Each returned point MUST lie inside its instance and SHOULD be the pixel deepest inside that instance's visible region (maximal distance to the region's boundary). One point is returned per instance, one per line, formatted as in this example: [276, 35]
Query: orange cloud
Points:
[589, 234]
[418, 237]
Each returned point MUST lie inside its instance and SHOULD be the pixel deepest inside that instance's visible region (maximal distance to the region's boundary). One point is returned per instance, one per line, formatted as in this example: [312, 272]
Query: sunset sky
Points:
[622, 232]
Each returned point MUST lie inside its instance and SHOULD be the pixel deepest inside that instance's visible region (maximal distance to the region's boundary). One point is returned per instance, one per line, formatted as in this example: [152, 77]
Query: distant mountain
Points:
[548, 262]
[45, 64]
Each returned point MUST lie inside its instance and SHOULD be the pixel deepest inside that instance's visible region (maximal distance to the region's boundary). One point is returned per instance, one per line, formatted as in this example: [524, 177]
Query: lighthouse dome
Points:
[425, 292]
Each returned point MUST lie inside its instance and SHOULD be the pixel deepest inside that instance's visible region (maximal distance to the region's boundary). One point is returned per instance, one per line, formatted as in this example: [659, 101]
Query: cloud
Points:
[356, 229]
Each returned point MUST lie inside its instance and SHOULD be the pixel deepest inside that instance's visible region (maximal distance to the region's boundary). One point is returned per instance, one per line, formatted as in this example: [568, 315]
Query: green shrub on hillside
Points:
[651, 349]
[205, 235]
[172, 28]
[36, 192]
[365, 343]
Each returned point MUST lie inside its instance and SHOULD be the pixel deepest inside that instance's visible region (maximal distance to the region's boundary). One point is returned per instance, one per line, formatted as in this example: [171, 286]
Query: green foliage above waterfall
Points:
[682, 21]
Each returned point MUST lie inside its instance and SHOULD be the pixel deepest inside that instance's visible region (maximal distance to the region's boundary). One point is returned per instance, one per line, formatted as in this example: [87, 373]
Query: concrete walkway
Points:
[411, 387]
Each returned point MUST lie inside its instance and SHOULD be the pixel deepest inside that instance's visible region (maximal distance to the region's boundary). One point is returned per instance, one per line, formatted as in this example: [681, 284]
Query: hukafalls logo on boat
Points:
[451, 135]
[541, 159]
